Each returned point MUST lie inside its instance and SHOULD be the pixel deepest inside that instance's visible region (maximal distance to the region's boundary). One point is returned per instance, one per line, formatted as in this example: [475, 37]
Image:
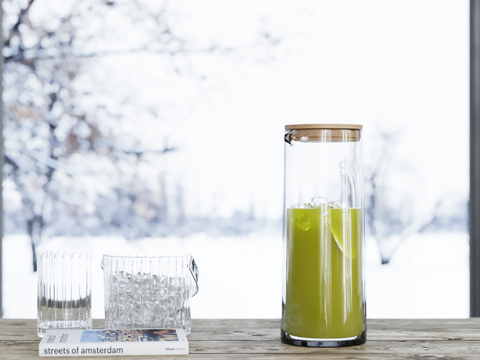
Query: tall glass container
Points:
[323, 270]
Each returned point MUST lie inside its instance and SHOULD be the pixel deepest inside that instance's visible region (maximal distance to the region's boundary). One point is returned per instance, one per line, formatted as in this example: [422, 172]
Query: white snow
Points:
[240, 277]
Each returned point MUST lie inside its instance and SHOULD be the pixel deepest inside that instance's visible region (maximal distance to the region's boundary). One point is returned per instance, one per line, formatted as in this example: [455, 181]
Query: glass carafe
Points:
[323, 264]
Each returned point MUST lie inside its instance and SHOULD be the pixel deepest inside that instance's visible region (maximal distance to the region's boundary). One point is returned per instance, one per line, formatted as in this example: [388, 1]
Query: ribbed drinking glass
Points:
[64, 290]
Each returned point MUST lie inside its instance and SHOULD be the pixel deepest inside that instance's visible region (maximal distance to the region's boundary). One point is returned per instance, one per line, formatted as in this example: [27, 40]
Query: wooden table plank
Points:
[270, 347]
[438, 329]
[256, 357]
[260, 339]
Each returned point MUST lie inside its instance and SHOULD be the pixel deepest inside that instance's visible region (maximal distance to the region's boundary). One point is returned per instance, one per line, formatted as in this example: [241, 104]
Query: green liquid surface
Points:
[324, 288]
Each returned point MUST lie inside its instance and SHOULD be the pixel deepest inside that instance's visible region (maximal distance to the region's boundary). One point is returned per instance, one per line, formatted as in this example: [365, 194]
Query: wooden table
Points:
[260, 339]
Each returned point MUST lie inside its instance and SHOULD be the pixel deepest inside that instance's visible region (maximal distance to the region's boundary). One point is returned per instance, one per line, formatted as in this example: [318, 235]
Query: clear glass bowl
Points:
[149, 290]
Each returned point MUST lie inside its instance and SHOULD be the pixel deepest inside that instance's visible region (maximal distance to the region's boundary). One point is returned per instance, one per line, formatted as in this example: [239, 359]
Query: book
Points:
[104, 342]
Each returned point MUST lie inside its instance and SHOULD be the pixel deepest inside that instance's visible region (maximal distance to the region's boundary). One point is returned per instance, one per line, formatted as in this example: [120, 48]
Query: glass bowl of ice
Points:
[149, 290]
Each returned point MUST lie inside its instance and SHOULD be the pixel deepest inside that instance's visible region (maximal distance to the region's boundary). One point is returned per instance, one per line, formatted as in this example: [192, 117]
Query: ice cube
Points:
[163, 293]
[337, 205]
[146, 283]
[121, 283]
[319, 200]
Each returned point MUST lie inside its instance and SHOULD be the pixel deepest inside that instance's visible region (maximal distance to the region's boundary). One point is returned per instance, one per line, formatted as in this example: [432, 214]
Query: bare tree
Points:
[46, 128]
[76, 171]
[391, 216]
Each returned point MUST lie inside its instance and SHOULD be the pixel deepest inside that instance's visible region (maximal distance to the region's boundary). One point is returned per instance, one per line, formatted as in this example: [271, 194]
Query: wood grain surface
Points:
[260, 339]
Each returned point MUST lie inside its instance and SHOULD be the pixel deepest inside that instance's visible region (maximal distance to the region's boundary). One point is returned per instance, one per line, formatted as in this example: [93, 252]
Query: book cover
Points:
[113, 342]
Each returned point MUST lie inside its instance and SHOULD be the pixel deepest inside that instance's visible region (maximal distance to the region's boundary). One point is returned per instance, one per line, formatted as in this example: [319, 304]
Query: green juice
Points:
[324, 287]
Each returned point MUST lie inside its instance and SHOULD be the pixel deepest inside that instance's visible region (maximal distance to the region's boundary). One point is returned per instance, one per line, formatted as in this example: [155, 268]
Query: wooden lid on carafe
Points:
[324, 132]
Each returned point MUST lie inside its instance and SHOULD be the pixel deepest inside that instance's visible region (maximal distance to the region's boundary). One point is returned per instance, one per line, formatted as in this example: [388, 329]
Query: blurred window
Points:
[156, 125]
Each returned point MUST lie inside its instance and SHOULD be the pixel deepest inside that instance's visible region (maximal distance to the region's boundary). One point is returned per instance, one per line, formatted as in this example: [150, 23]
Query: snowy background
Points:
[157, 125]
